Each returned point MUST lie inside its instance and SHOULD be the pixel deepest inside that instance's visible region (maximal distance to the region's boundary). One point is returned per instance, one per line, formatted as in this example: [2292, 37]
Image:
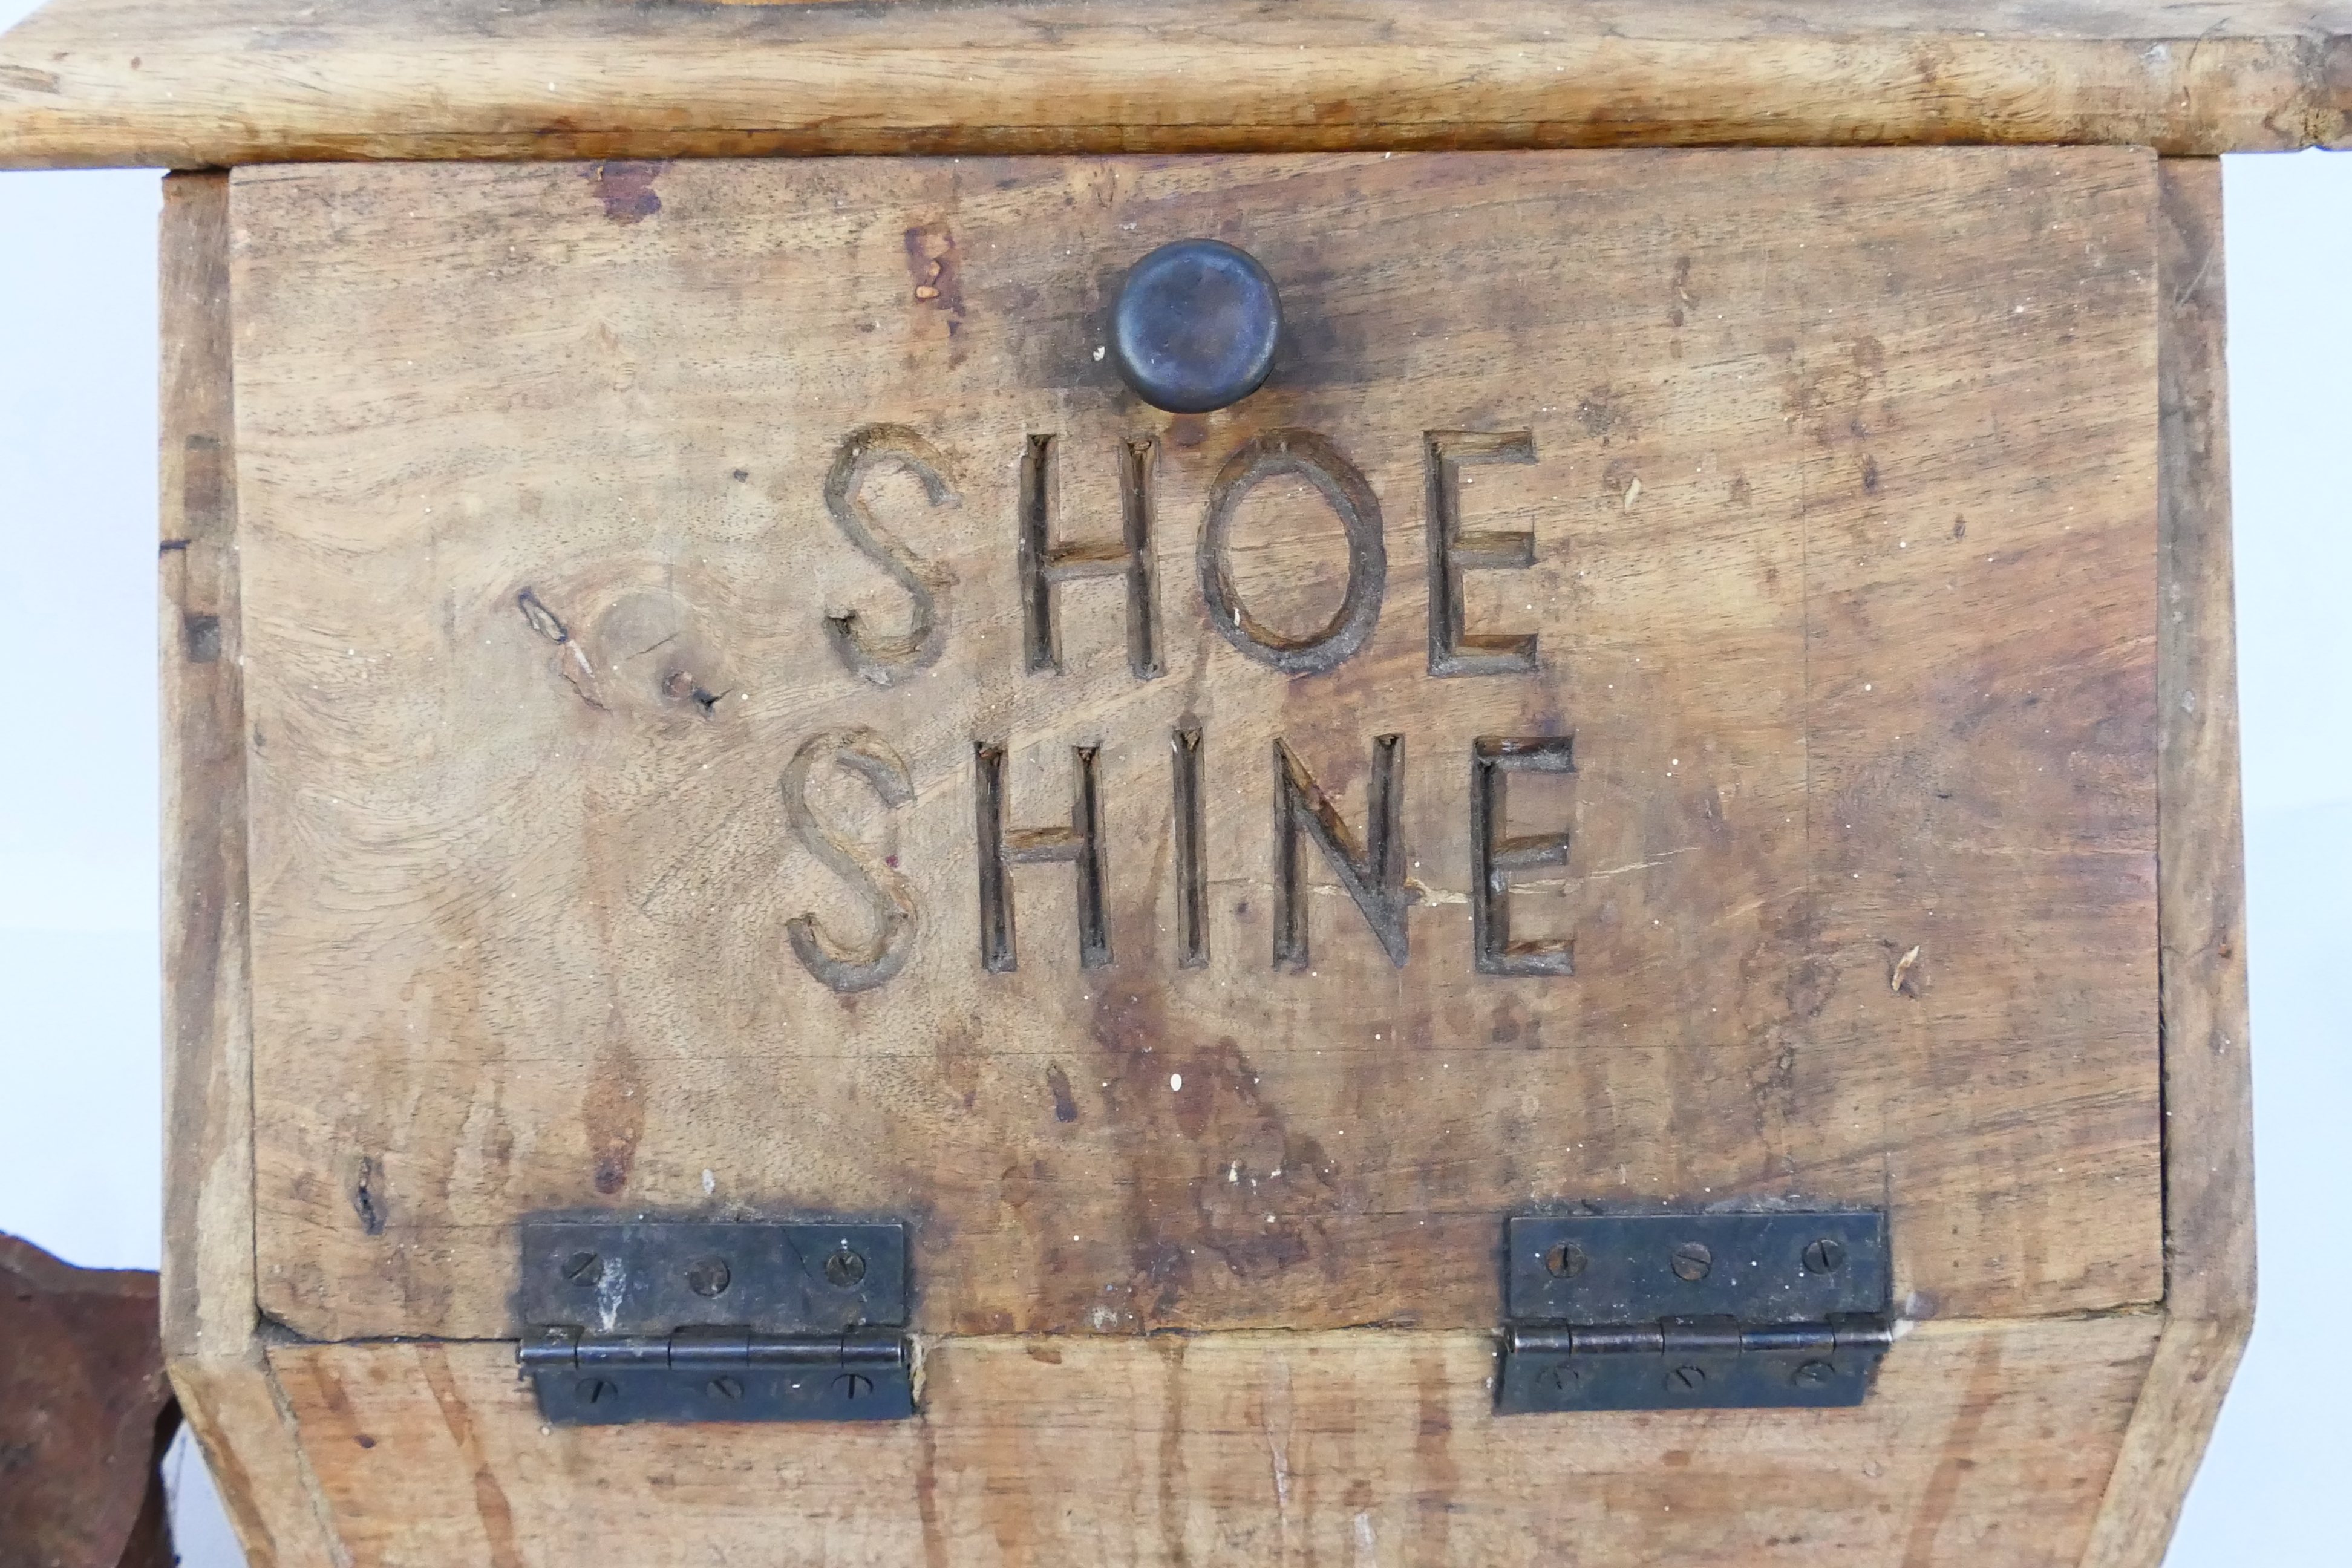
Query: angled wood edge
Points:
[2209, 1196]
[217, 82]
[252, 1445]
[210, 1320]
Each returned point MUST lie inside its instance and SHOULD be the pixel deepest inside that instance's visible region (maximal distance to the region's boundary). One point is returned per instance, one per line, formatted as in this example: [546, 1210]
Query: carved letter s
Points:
[885, 889]
[885, 661]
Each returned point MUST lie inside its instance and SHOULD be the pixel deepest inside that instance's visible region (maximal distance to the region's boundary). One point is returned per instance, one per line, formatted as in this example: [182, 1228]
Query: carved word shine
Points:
[1369, 867]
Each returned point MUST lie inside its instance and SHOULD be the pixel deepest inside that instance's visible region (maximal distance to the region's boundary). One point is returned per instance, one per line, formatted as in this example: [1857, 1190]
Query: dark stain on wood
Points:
[1173, 1493]
[1065, 1109]
[366, 1201]
[1605, 416]
[1958, 1456]
[613, 1115]
[490, 1505]
[626, 188]
[937, 272]
[927, 1495]
[29, 78]
[1213, 1169]
[1436, 1476]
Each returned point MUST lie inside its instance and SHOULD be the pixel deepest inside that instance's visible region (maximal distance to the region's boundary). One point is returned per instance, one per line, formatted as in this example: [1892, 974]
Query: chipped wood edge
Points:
[210, 1320]
[88, 83]
[2207, 1088]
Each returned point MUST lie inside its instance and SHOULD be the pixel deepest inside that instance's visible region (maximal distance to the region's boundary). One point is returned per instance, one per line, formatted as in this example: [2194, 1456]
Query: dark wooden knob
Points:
[1195, 326]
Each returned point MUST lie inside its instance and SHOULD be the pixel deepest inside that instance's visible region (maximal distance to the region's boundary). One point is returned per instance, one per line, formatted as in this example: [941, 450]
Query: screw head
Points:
[1566, 1260]
[853, 1385]
[1687, 1379]
[1195, 326]
[596, 1391]
[726, 1388]
[585, 1269]
[843, 1268]
[1813, 1375]
[1564, 1378]
[1693, 1261]
[1826, 1255]
[710, 1277]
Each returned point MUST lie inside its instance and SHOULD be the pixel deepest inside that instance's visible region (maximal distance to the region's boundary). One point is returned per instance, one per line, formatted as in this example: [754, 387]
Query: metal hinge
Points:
[696, 1321]
[1692, 1311]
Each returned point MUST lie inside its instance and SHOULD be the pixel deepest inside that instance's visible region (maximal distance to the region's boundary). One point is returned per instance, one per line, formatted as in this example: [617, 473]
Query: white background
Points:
[79, 1080]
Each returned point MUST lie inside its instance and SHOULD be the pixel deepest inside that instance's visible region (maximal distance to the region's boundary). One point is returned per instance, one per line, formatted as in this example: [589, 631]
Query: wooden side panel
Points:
[2208, 1173]
[241, 81]
[209, 1315]
[1984, 1444]
[1844, 540]
[207, 1280]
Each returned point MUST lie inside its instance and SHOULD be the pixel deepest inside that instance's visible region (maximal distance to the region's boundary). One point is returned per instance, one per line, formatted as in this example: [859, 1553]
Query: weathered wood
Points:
[209, 1314]
[259, 1467]
[2208, 1189]
[235, 81]
[1985, 1443]
[526, 927]
[207, 1060]
[1844, 577]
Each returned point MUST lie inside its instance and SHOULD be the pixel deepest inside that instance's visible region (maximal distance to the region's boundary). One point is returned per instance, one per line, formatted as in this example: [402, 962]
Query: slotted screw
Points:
[596, 1391]
[710, 1277]
[1692, 1262]
[1813, 1375]
[726, 1388]
[843, 1268]
[1566, 1260]
[1689, 1379]
[853, 1385]
[583, 1269]
[1824, 1257]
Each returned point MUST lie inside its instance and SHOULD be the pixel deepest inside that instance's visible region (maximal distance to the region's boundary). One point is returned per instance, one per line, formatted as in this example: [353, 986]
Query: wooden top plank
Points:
[219, 82]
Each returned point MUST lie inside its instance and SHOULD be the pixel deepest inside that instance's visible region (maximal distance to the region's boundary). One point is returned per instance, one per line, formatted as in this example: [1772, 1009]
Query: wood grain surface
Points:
[1984, 1444]
[207, 1280]
[584, 532]
[210, 82]
[209, 1316]
[2209, 1164]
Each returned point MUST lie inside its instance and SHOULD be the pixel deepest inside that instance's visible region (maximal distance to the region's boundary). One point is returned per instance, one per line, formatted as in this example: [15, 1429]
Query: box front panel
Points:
[639, 649]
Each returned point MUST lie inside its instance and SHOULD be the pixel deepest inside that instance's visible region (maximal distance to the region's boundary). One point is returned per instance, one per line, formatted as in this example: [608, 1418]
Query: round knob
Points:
[1195, 326]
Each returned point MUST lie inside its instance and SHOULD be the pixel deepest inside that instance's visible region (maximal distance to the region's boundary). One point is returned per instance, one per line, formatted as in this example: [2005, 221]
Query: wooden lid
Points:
[1817, 597]
[216, 82]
